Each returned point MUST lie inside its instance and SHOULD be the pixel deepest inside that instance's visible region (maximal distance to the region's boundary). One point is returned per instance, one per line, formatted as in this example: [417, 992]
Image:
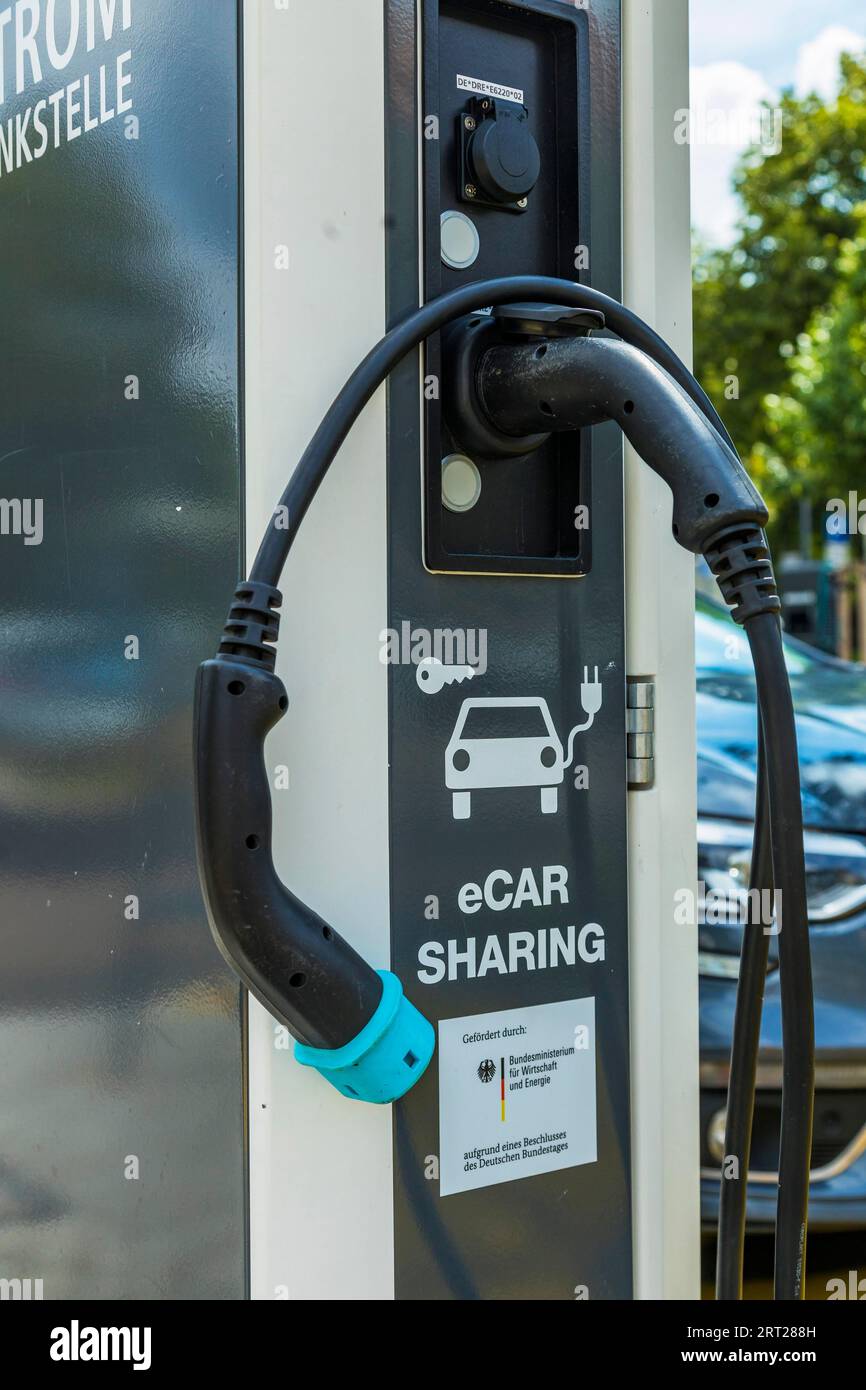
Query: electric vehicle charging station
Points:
[351, 1205]
[478, 728]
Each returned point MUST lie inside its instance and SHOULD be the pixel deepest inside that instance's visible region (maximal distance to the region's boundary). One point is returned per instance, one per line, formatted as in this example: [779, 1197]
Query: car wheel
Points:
[461, 805]
[549, 801]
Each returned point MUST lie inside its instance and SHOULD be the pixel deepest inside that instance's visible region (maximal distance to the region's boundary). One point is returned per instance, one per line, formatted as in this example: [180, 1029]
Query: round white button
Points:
[460, 240]
[461, 483]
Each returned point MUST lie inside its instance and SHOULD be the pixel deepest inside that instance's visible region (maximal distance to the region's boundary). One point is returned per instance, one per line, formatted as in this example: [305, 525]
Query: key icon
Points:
[432, 676]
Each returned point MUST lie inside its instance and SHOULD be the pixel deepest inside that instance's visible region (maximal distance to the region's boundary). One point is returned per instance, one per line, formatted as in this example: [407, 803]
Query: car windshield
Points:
[722, 646]
[505, 721]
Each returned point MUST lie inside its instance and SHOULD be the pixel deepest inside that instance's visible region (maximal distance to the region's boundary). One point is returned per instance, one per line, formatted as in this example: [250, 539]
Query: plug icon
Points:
[591, 699]
[590, 696]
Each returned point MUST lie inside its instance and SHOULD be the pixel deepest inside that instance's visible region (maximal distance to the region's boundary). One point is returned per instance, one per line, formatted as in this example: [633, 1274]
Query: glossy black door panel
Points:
[121, 1090]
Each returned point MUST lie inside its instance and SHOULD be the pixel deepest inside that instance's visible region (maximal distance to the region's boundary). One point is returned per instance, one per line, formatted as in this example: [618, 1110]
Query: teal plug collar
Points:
[388, 1056]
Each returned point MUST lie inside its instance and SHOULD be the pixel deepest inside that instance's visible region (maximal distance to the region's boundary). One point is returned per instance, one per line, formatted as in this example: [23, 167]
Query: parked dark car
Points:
[830, 702]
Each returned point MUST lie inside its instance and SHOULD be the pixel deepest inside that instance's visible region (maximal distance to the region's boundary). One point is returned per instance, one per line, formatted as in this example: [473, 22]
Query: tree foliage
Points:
[780, 339]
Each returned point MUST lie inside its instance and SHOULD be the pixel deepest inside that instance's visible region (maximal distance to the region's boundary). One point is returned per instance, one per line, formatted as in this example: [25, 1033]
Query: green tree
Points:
[815, 428]
[768, 311]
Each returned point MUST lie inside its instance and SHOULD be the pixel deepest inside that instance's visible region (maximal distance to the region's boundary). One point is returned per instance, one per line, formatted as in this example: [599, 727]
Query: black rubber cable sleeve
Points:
[798, 1021]
[744, 1051]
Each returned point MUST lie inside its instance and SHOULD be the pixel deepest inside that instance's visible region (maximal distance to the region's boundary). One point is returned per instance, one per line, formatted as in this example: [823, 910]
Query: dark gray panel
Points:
[120, 1037]
[544, 1236]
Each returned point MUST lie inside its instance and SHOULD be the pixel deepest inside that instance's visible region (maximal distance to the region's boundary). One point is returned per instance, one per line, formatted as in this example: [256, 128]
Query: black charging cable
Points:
[410, 334]
[777, 859]
[798, 1024]
[745, 1043]
[521, 375]
[718, 513]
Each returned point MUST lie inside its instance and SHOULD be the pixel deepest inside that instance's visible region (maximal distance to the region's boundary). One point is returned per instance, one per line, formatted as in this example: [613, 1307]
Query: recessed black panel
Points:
[524, 521]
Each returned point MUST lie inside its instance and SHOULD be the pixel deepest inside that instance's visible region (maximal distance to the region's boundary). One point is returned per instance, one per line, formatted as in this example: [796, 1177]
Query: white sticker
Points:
[516, 1094]
[479, 88]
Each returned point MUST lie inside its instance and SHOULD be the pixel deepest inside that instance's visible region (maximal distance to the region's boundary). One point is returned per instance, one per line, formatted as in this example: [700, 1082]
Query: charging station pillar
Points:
[477, 837]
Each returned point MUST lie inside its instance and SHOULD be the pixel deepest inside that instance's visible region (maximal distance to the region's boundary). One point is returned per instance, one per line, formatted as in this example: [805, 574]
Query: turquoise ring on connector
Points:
[388, 1056]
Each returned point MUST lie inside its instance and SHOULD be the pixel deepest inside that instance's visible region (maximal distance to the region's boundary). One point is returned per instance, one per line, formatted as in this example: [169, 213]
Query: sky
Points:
[743, 51]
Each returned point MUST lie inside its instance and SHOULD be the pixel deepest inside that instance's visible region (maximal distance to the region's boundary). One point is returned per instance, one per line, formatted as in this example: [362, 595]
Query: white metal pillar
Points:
[320, 1169]
[314, 150]
[660, 643]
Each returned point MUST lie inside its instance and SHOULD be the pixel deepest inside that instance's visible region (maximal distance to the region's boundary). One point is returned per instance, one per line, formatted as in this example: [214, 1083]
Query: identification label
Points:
[480, 88]
[516, 1094]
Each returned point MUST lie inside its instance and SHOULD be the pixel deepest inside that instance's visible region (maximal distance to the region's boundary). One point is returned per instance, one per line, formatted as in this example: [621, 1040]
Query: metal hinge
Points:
[640, 732]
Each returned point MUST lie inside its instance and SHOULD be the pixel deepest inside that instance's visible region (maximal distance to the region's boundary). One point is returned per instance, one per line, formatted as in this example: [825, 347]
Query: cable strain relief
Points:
[740, 560]
[253, 626]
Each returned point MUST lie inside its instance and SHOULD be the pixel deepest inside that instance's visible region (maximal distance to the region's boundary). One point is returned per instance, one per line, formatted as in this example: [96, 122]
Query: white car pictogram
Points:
[512, 742]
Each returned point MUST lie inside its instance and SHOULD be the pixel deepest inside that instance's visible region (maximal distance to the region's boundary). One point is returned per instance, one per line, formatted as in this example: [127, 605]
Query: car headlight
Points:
[835, 872]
